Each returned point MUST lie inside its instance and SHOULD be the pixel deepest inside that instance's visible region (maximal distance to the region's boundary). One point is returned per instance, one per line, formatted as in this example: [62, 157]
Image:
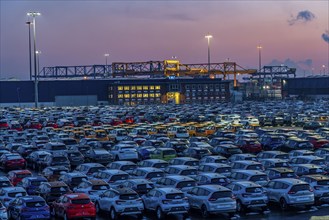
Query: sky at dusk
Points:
[294, 33]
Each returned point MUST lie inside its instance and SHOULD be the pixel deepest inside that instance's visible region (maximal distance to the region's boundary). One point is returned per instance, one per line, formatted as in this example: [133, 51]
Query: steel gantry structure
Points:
[150, 69]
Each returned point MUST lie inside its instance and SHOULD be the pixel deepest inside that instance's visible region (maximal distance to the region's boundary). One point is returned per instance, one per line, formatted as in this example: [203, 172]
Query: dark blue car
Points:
[31, 184]
[28, 207]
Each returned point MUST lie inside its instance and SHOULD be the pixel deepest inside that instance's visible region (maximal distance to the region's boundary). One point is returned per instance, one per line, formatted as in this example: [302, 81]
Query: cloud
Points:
[302, 17]
[325, 36]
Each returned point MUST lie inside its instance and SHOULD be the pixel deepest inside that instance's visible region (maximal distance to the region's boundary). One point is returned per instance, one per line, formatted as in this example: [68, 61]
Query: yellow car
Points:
[101, 135]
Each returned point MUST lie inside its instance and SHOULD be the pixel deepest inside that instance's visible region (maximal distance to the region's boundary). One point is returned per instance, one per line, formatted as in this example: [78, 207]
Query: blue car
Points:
[28, 207]
[31, 184]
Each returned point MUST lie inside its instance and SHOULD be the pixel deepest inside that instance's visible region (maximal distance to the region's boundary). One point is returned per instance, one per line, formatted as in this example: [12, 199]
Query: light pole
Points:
[38, 52]
[208, 36]
[106, 56]
[33, 15]
[259, 47]
[324, 69]
[30, 57]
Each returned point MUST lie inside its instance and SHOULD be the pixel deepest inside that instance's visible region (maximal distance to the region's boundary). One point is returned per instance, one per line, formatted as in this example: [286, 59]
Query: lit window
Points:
[120, 96]
[145, 88]
[139, 95]
[157, 87]
[151, 94]
[133, 95]
[139, 87]
[120, 87]
[151, 87]
[133, 87]
[145, 95]
[127, 96]
[126, 88]
[157, 94]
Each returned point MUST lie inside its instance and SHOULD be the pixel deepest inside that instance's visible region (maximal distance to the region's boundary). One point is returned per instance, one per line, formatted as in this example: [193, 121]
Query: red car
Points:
[317, 141]
[3, 125]
[249, 145]
[11, 161]
[74, 205]
[16, 176]
[34, 125]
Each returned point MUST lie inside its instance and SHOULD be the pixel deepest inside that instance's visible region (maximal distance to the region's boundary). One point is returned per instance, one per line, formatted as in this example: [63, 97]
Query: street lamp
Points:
[208, 36]
[30, 57]
[34, 15]
[324, 69]
[259, 47]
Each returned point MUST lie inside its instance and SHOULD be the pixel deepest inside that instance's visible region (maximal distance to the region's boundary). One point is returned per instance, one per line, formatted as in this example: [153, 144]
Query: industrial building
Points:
[118, 91]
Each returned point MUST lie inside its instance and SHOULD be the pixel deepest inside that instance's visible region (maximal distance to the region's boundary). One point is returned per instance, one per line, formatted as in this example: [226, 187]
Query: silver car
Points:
[212, 199]
[320, 184]
[166, 201]
[290, 192]
[249, 195]
[119, 202]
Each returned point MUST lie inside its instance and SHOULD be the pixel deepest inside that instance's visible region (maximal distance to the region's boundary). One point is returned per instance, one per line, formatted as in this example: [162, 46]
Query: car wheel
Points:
[239, 206]
[204, 211]
[65, 216]
[113, 214]
[159, 213]
[52, 212]
[283, 204]
[98, 209]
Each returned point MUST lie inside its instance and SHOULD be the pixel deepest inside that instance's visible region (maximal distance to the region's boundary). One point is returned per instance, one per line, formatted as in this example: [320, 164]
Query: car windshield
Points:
[258, 178]
[96, 169]
[22, 175]
[218, 180]
[254, 167]
[288, 174]
[315, 170]
[189, 172]
[14, 157]
[80, 201]
[59, 147]
[128, 167]
[185, 184]
[119, 177]
[155, 175]
[160, 165]
[101, 187]
[16, 194]
[129, 196]
[318, 162]
[78, 179]
[223, 170]
[35, 204]
[254, 190]
[233, 150]
[145, 186]
[36, 182]
[70, 142]
[59, 159]
[221, 194]
[169, 152]
[59, 189]
[5, 183]
[175, 196]
[192, 163]
[300, 187]
[323, 182]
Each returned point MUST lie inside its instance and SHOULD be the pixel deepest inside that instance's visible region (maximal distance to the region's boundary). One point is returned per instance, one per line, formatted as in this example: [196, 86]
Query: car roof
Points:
[179, 177]
[139, 181]
[212, 175]
[250, 172]
[281, 169]
[74, 196]
[169, 190]
[290, 181]
[317, 177]
[57, 184]
[214, 188]
[247, 183]
[150, 169]
[31, 198]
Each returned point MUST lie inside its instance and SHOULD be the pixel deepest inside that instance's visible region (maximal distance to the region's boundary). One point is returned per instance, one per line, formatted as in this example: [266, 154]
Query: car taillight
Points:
[212, 199]
[233, 197]
[311, 189]
[291, 192]
[165, 201]
[119, 202]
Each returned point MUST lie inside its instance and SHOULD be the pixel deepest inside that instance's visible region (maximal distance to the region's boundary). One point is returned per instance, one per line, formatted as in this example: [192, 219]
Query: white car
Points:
[124, 152]
[119, 202]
